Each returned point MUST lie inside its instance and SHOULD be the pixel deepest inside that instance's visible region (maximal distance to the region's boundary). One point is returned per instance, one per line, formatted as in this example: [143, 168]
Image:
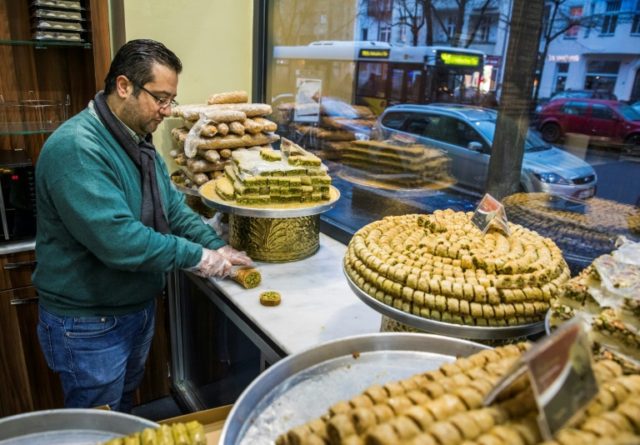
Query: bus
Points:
[377, 74]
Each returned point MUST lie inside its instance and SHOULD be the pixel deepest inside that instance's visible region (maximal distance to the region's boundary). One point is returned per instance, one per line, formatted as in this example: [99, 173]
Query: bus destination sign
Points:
[374, 54]
[458, 59]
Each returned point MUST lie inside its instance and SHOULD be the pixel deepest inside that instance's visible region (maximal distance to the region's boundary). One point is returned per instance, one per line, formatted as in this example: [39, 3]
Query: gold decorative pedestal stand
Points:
[275, 240]
[274, 233]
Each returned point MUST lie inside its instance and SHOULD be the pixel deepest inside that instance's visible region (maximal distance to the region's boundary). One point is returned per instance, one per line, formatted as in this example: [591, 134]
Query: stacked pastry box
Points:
[337, 124]
[58, 20]
[211, 132]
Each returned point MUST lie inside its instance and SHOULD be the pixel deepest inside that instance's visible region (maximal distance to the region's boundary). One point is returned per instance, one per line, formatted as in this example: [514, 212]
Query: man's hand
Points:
[212, 264]
[235, 257]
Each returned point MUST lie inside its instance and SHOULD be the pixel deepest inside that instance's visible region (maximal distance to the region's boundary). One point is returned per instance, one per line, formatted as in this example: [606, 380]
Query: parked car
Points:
[605, 120]
[636, 106]
[466, 133]
[584, 94]
[575, 94]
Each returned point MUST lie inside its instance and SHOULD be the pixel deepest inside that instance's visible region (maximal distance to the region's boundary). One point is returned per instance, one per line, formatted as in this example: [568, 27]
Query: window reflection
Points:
[406, 117]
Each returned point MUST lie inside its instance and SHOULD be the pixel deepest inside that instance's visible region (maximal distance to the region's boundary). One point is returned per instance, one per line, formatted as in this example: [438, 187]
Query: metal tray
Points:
[303, 386]
[211, 198]
[448, 329]
[69, 427]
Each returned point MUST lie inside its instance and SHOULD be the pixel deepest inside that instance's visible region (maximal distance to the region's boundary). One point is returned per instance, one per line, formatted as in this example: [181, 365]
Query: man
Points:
[110, 225]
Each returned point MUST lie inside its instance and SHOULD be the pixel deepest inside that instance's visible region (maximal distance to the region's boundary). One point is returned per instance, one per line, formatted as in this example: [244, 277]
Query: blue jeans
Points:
[100, 359]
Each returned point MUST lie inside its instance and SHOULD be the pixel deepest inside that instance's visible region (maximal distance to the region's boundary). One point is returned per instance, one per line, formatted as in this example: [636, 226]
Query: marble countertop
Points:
[317, 304]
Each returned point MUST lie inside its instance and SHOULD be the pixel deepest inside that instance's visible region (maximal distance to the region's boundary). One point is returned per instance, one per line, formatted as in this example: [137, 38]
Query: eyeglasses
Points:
[162, 102]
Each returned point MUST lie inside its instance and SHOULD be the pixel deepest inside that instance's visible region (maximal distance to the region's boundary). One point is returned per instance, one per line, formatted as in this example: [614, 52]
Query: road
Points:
[618, 176]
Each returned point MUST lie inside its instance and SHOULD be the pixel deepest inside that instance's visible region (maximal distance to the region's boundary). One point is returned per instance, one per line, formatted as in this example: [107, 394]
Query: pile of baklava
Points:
[607, 295]
[442, 267]
[406, 165]
[265, 176]
[445, 407]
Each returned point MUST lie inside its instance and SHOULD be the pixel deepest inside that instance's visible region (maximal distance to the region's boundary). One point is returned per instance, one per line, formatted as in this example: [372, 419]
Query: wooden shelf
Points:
[43, 44]
[27, 128]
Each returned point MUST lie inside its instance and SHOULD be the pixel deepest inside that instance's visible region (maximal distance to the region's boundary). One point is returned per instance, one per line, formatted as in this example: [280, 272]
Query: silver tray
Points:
[303, 386]
[69, 427]
[448, 329]
[266, 211]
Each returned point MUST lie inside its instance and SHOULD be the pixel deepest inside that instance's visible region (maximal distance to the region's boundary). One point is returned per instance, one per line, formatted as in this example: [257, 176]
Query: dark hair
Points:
[135, 60]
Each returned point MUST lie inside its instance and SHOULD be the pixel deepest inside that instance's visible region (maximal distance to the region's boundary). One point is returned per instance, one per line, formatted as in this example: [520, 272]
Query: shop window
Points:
[426, 89]
[562, 70]
[575, 12]
[602, 75]
[610, 18]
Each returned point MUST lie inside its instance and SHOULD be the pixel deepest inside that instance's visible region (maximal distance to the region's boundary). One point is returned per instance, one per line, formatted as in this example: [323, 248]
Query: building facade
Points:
[601, 52]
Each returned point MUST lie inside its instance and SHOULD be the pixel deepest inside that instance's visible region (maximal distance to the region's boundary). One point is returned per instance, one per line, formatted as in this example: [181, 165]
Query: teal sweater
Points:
[94, 255]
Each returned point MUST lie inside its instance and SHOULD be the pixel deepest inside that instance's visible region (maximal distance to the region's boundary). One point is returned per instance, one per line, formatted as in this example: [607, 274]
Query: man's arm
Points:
[184, 221]
[94, 209]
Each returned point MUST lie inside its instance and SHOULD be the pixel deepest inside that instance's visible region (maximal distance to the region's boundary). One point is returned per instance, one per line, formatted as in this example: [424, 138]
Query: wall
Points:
[213, 38]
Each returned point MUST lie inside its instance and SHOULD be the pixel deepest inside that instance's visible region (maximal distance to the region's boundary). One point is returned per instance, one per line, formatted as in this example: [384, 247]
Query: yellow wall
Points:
[213, 38]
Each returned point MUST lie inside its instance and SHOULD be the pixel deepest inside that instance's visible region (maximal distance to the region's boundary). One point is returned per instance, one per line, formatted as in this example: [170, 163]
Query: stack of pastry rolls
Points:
[212, 131]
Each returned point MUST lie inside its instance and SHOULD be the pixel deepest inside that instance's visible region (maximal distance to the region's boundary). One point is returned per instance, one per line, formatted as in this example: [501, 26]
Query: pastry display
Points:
[190, 433]
[264, 176]
[210, 133]
[393, 162]
[440, 266]
[586, 228]
[607, 295]
[445, 406]
[337, 122]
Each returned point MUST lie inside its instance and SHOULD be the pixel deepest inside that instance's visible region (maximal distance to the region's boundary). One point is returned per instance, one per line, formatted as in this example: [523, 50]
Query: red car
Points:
[603, 120]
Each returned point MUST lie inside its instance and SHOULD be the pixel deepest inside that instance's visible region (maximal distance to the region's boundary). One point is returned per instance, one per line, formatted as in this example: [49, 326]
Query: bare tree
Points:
[411, 14]
[456, 36]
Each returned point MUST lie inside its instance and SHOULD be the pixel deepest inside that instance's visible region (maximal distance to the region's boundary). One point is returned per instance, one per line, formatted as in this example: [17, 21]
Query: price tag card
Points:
[561, 376]
[490, 211]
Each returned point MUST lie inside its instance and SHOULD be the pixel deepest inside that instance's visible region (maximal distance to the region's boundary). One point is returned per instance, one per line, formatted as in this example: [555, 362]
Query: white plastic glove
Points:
[235, 257]
[212, 264]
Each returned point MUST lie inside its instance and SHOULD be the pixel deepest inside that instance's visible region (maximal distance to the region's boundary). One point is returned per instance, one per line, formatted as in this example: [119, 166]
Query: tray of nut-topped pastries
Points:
[439, 273]
[301, 387]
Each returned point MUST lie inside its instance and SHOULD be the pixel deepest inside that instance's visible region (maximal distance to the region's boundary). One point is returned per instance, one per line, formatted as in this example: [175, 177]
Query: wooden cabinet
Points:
[27, 382]
[35, 77]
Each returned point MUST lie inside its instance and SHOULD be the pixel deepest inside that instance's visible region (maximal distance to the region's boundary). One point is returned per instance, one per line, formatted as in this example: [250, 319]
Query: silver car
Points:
[465, 133]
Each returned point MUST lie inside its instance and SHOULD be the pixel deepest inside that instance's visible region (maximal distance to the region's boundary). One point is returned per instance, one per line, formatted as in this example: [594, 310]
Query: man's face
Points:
[143, 114]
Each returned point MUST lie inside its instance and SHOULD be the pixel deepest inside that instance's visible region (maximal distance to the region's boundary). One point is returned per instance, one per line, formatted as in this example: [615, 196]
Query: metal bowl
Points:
[69, 427]
[303, 386]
